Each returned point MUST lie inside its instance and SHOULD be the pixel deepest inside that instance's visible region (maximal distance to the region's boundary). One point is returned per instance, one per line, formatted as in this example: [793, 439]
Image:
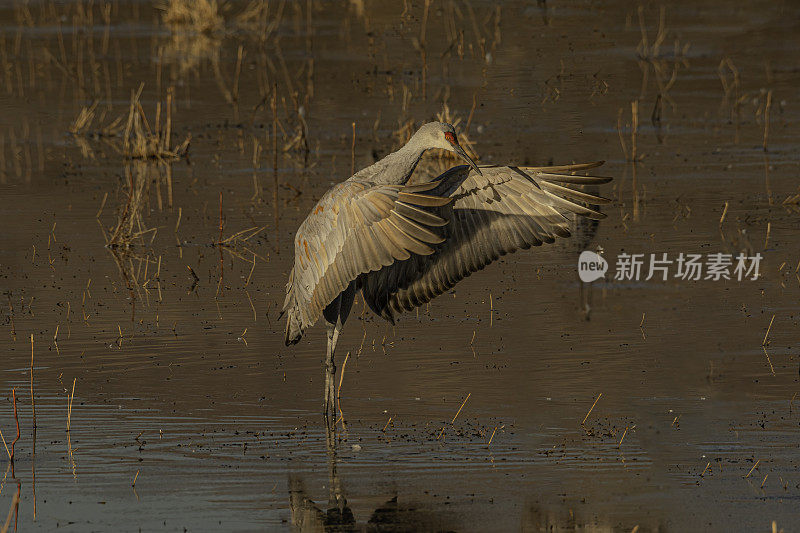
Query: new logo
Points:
[591, 266]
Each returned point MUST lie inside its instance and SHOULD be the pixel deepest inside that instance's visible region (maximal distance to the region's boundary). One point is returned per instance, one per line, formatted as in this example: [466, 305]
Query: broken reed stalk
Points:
[16, 419]
[623, 437]
[769, 361]
[460, 408]
[621, 138]
[456, 416]
[33, 402]
[69, 405]
[274, 106]
[341, 377]
[422, 49]
[724, 212]
[11, 314]
[14, 505]
[275, 210]
[471, 112]
[353, 152]
[102, 205]
[492, 437]
[634, 127]
[6, 445]
[237, 73]
[629, 156]
[764, 342]
[591, 408]
[220, 218]
[247, 282]
[766, 118]
[751, 470]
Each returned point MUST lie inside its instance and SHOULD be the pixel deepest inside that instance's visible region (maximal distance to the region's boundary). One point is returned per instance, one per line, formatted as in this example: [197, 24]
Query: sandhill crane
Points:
[402, 244]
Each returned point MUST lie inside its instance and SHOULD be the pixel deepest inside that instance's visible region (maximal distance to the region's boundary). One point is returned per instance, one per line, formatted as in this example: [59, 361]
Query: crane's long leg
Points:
[330, 372]
[337, 504]
[335, 315]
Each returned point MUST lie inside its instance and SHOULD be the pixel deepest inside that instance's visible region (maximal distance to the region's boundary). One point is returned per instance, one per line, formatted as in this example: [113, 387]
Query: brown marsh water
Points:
[188, 411]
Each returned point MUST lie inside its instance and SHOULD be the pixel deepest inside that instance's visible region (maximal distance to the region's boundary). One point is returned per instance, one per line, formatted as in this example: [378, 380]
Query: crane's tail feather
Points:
[294, 328]
[294, 323]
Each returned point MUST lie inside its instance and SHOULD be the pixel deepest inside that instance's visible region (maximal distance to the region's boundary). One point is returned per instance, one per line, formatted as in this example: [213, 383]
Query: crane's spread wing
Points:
[499, 212]
[357, 227]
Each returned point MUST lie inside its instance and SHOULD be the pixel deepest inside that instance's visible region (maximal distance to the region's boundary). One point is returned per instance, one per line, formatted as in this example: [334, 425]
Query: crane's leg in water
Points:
[335, 315]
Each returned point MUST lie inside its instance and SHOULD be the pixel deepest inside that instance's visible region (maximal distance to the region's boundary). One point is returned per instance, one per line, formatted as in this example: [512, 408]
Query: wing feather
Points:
[489, 215]
[356, 228]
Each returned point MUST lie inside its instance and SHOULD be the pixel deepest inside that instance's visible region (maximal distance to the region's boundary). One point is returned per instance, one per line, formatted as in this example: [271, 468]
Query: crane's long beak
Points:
[460, 151]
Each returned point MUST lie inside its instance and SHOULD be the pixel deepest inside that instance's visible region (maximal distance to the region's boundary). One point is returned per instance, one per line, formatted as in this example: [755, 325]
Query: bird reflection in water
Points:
[307, 516]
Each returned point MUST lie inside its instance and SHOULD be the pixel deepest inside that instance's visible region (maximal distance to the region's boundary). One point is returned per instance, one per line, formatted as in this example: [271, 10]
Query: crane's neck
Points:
[397, 167]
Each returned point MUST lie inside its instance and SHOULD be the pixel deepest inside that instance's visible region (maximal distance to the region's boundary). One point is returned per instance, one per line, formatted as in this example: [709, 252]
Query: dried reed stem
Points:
[591, 408]
[33, 402]
[14, 504]
[11, 314]
[766, 118]
[492, 437]
[6, 445]
[69, 405]
[724, 212]
[764, 342]
[219, 241]
[16, 419]
[751, 470]
[460, 408]
[353, 152]
[634, 127]
[623, 437]
[341, 377]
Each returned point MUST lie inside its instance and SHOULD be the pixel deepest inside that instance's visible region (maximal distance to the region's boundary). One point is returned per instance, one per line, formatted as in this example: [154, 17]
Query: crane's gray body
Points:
[402, 245]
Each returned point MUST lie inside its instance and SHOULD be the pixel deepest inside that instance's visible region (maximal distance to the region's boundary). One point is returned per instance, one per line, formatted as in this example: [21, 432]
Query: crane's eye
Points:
[451, 137]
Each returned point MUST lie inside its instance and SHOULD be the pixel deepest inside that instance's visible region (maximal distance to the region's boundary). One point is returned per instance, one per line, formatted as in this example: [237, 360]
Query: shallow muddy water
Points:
[668, 405]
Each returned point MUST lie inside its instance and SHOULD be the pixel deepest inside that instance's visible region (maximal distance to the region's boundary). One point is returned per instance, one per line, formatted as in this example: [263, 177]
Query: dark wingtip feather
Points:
[293, 330]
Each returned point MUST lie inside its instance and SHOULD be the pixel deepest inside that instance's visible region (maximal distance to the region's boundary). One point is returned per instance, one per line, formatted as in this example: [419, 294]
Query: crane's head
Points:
[443, 135]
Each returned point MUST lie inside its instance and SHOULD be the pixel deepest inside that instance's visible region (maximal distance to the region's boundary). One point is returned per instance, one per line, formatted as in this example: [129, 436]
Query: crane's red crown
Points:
[450, 137]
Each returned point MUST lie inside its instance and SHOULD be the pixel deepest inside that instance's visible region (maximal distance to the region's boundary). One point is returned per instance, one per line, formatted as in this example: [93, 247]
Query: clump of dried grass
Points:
[84, 120]
[136, 140]
[82, 131]
[200, 16]
[130, 228]
[140, 141]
